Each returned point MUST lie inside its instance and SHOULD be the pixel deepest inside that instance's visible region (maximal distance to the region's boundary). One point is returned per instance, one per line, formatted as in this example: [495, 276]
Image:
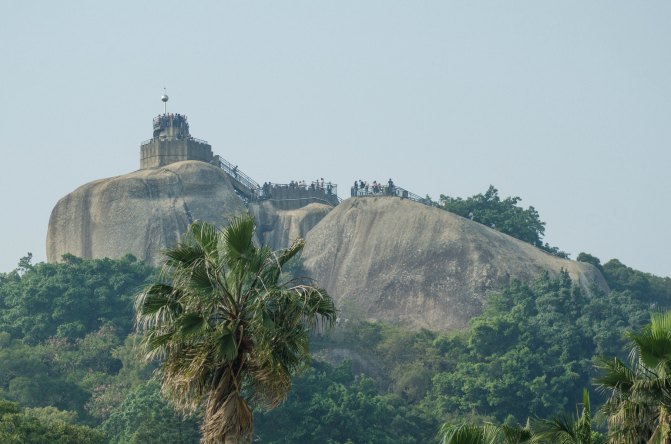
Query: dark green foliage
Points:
[530, 353]
[144, 416]
[331, 405]
[71, 298]
[42, 426]
[58, 326]
[531, 350]
[503, 215]
[64, 343]
[642, 286]
[588, 258]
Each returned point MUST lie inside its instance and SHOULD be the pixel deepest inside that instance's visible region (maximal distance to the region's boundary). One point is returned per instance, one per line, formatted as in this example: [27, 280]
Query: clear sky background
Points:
[565, 104]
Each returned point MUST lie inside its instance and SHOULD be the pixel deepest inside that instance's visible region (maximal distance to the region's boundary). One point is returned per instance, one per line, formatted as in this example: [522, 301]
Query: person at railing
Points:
[390, 187]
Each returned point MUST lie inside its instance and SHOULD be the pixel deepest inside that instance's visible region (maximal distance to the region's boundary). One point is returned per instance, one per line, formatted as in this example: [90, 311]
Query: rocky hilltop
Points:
[140, 213]
[394, 260]
[382, 258]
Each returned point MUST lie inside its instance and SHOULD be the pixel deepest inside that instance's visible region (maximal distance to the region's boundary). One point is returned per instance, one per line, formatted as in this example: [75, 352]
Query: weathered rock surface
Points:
[381, 258]
[141, 212]
[279, 228]
[393, 260]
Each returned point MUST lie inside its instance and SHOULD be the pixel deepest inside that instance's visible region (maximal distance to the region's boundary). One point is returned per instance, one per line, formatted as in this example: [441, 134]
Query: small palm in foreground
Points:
[227, 333]
[485, 434]
[639, 407]
[568, 429]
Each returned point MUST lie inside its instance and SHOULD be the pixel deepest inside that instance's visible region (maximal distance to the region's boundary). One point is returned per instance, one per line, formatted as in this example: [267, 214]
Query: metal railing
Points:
[327, 187]
[317, 191]
[391, 190]
[148, 141]
[250, 188]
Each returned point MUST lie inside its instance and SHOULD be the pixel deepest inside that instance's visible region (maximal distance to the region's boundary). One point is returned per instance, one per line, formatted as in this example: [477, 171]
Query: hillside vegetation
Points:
[67, 358]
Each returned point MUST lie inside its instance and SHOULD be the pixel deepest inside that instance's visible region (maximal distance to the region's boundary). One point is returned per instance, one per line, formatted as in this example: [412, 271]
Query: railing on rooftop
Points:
[148, 141]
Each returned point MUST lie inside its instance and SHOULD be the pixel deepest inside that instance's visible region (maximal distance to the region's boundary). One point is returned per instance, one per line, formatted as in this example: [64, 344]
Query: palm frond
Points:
[615, 375]
[237, 239]
[460, 434]
[560, 429]
[206, 237]
[287, 254]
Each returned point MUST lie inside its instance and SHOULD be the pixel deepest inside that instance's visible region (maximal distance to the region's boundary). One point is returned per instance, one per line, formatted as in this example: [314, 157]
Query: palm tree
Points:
[567, 429]
[639, 405]
[563, 429]
[228, 334]
[487, 433]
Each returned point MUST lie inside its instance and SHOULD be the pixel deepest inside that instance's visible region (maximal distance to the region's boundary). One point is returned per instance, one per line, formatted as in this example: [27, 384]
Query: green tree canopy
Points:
[70, 299]
[144, 416]
[42, 426]
[531, 350]
[503, 215]
[330, 405]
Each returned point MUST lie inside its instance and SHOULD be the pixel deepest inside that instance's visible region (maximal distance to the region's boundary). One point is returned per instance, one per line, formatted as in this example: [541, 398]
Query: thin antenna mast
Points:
[164, 99]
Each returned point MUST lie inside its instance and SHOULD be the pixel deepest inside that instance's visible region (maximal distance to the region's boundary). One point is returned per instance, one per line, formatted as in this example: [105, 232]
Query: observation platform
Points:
[283, 196]
[172, 142]
[389, 189]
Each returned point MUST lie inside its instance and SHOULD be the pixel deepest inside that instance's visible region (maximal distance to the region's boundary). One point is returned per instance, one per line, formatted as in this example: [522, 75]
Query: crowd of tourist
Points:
[176, 121]
[166, 120]
[361, 188]
[316, 185]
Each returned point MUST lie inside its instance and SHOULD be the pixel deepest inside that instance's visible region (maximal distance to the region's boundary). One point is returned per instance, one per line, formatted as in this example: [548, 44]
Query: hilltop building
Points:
[172, 142]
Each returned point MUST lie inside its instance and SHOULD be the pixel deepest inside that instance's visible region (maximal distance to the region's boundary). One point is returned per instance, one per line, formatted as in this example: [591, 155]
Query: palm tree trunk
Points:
[228, 418]
[664, 424]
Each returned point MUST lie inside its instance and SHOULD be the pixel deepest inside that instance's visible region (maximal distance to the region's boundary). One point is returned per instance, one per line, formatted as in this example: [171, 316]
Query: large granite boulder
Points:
[140, 213]
[398, 261]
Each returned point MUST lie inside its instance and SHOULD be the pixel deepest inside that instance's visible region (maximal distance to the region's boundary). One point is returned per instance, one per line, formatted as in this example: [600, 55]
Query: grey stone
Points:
[401, 262]
[140, 213]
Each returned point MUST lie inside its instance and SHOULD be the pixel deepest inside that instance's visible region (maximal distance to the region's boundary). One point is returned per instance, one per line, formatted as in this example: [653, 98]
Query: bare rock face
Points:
[279, 228]
[397, 261]
[140, 213]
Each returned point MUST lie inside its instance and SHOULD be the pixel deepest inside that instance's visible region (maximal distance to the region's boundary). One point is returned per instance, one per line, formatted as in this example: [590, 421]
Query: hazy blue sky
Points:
[565, 104]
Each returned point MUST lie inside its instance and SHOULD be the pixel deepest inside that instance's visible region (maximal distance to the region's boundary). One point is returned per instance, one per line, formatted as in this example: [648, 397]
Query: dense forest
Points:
[69, 371]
